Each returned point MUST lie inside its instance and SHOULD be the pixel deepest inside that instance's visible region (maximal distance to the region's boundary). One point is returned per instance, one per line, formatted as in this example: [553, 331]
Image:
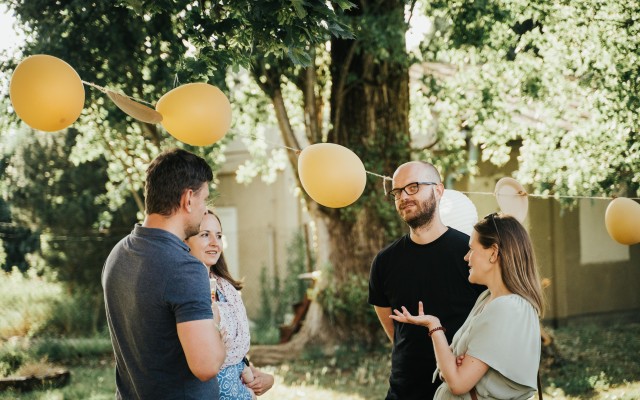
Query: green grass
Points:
[596, 362]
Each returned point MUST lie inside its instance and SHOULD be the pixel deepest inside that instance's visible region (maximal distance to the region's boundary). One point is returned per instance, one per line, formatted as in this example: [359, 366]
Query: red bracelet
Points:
[440, 328]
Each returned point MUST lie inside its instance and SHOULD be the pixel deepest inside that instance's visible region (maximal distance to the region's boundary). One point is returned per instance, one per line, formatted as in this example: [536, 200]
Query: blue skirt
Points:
[230, 382]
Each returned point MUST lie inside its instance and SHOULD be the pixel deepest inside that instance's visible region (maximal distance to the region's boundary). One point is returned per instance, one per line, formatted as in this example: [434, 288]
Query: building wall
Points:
[268, 217]
[590, 274]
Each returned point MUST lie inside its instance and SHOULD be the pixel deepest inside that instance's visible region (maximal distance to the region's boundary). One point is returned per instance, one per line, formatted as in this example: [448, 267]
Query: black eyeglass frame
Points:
[493, 218]
[395, 193]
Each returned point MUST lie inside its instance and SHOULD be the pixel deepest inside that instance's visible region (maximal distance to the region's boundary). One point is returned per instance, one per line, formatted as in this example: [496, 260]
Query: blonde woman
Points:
[496, 352]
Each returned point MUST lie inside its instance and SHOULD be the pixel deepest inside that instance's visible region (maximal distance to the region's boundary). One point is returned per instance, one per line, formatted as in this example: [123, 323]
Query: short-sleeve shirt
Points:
[505, 335]
[436, 274]
[151, 283]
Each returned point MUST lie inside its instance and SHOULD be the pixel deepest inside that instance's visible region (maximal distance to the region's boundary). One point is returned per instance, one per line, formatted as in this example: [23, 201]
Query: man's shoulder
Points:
[455, 239]
[456, 235]
[393, 246]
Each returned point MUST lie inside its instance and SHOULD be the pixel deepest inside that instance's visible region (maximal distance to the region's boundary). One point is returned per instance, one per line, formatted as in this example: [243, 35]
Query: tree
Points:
[61, 203]
[547, 79]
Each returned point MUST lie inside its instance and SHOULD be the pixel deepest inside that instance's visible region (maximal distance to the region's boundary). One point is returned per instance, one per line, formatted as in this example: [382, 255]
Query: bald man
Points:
[427, 265]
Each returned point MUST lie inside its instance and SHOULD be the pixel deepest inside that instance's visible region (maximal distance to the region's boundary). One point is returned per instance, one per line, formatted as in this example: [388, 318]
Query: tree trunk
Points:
[369, 115]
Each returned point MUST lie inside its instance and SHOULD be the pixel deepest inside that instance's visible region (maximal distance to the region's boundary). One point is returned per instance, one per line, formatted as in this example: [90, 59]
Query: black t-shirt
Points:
[436, 274]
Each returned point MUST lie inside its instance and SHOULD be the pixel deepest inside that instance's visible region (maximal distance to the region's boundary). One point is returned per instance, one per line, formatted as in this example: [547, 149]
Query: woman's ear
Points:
[494, 253]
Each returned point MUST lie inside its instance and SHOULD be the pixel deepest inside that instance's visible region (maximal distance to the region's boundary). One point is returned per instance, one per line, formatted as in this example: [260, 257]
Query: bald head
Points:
[416, 171]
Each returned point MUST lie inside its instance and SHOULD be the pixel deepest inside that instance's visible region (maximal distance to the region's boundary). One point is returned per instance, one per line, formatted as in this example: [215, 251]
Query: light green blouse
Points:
[504, 334]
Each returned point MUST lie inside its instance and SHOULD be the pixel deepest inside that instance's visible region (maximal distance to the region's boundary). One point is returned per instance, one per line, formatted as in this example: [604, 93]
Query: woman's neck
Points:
[497, 288]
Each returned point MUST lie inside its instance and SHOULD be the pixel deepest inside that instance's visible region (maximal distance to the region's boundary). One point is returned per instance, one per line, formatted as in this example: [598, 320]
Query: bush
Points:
[18, 354]
[347, 307]
[81, 314]
[32, 300]
[277, 296]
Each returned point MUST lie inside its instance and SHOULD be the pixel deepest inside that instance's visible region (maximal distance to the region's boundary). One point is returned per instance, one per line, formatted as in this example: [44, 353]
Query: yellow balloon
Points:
[331, 174]
[198, 114]
[622, 220]
[46, 93]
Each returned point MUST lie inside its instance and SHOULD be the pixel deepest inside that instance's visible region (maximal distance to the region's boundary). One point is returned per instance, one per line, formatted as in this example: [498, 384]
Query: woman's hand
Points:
[421, 319]
[261, 381]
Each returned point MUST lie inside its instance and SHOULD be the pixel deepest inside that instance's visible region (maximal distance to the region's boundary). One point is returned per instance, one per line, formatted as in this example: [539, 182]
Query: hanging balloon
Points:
[622, 219]
[512, 198]
[198, 114]
[331, 174]
[46, 93]
[457, 211]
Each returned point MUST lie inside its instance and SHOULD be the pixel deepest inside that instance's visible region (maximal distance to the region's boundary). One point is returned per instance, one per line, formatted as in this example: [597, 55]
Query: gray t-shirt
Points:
[151, 283]
[504, 334]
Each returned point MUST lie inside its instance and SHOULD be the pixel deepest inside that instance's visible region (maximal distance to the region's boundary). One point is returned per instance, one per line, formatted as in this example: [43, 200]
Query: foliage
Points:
[62, 202]
[31, 299]
[139, 55]
[42, 307]
[265, 330]
[278, 294]
[347, 305]
[547, 77]
[15, 241]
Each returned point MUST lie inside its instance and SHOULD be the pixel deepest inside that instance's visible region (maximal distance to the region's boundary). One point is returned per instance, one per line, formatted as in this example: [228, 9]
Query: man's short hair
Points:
[169, 175]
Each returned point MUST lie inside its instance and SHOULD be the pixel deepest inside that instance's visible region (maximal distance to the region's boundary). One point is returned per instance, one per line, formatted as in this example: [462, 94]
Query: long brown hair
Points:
[220, 268]
[517, 259]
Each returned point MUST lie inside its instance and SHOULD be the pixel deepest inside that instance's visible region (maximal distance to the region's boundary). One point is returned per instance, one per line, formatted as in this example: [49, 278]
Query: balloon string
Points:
[105, 90]
[386, 178]
[278, 145]
[297, 151]
[547, 196]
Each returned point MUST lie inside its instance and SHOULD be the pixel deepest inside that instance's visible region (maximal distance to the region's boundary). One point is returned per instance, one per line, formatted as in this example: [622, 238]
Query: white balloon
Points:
[458, 211]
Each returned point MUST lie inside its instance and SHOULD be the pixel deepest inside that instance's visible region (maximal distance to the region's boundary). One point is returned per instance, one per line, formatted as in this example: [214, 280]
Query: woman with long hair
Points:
[206, 245]
[496, 352]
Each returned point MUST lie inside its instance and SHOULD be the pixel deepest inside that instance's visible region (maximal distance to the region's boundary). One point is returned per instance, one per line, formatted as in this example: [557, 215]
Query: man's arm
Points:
[203, 347]
[387, 323]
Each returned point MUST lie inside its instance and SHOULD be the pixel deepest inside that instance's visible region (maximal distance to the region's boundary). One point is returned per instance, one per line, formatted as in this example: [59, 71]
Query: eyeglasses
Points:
[409, 189]
[493, 218]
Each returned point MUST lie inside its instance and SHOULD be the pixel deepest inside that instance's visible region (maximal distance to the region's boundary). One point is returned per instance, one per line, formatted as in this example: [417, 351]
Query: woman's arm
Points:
[460, 378]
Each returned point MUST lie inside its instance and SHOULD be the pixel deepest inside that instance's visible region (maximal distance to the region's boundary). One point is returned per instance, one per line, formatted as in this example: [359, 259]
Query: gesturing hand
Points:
[420, 319]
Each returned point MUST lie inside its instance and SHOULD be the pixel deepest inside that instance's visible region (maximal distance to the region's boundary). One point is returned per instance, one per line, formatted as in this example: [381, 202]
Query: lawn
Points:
[594, 362]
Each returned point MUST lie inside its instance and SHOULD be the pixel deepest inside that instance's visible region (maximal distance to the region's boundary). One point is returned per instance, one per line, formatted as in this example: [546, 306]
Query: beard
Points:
[423, 215]
[192, 230]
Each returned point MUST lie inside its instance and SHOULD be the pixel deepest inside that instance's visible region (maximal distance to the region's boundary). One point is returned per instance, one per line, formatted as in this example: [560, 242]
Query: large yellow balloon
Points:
[331, 174]
[622, 219]
[46, 93]
[198, 114]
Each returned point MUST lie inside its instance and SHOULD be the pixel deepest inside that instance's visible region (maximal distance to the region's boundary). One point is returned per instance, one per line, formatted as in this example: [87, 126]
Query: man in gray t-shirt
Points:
[157, 295]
